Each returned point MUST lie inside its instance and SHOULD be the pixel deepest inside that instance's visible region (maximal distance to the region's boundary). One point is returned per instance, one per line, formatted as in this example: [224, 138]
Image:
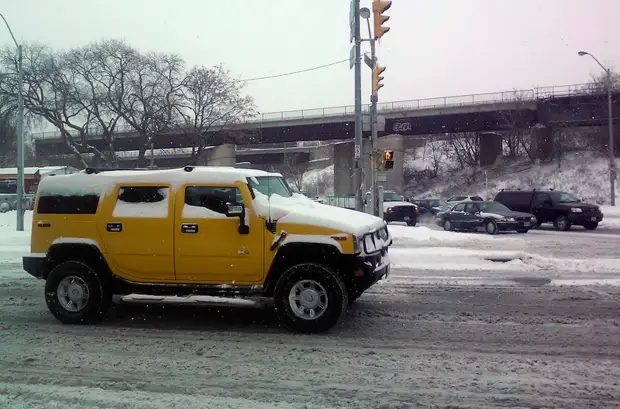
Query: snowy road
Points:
[400, 346]
[449, 328]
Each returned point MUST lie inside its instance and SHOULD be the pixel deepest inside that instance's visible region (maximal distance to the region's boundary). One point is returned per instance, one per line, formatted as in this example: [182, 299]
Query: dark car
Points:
[400, 212]
[493, 217]
[550, 206]
[431, 206]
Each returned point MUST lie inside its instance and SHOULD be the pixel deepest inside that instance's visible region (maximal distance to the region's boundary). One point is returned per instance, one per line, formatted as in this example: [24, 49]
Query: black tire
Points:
[562, 223]
[590, 225]
[412, 223]
[84, 277]
[447, 225]
[336, 295]
[522, 231]
[490, 227]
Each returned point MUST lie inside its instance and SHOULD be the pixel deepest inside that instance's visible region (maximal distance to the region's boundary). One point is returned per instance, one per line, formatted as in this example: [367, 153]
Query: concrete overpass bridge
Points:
[544, 107]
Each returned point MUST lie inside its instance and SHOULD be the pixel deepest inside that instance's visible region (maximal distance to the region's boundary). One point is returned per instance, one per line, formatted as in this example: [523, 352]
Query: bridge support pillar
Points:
[343, 169]
[490, 147]
[542, 142]
[222, 155]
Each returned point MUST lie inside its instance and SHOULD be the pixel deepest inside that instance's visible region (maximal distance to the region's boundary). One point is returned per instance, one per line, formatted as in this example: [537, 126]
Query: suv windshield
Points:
[562, 197]
[493, 207]
[269, 185]
[392, 197]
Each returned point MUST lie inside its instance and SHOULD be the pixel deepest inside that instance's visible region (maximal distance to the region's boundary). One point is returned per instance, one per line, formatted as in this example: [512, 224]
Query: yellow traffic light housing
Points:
[378, 8]
[388, 159]
[376, 78]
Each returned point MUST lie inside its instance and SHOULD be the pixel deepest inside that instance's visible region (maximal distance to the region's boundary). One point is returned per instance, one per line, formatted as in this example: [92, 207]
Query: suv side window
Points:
[210, 200]
[477, 199]
[459, 207]
[142, 201]
[540, 199]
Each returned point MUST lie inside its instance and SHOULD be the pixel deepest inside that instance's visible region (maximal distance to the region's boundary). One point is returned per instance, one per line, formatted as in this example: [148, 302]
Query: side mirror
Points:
[238, 210]
[235, 210]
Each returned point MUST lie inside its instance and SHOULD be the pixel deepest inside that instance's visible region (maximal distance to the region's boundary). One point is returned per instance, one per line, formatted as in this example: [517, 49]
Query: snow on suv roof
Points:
[81, 184]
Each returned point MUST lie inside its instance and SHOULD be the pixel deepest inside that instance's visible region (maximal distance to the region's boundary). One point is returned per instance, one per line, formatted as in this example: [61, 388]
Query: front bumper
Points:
[580, 219]
[370, 269]
[506, 226]
[36, 266]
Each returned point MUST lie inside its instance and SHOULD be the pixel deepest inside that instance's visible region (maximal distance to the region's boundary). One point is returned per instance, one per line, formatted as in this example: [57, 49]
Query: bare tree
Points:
[8, 145]
[435, 151]
[512, 119]
[50, 94]
[294, 169]
[211, 104]
[464, 148]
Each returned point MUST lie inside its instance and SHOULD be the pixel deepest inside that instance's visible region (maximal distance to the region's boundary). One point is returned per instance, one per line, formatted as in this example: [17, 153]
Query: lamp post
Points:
[365, 14]
[20, 133]
[612, 166]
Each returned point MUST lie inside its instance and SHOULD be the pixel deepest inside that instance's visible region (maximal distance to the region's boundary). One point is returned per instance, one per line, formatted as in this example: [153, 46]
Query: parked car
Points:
[493, 217]
[550, 206]
[461, 198]
[400, 212]
[431, 206]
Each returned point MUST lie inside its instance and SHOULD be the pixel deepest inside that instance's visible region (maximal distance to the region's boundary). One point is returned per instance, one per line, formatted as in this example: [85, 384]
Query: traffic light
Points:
[376, 78]
[388, 159]
[378, 8]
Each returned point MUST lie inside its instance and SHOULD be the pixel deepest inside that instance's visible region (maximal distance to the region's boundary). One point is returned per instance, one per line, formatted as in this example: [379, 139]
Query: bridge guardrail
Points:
[385, 107]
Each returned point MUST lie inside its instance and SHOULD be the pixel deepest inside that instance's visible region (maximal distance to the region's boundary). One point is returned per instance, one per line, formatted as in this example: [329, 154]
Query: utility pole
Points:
[20, 132]
[612, 162]
[612, 165]
[357, 176]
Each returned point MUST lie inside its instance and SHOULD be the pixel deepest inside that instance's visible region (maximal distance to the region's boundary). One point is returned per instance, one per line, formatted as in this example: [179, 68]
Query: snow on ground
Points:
[13, 245]
[584, 174]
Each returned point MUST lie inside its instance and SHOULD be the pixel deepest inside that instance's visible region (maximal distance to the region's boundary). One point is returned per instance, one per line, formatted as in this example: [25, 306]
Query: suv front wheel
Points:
[75, 294]
[310, 298]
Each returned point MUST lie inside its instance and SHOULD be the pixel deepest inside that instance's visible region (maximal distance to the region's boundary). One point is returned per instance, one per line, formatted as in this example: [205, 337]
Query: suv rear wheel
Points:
[75, 294]
[562, 223]
[310, 298]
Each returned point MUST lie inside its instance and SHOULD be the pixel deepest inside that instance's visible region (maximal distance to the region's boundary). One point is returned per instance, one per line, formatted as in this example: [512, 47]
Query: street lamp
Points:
[612, 167]
[20, 133]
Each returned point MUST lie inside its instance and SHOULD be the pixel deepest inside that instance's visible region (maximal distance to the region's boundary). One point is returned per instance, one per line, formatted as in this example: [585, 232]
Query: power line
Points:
[295, 72]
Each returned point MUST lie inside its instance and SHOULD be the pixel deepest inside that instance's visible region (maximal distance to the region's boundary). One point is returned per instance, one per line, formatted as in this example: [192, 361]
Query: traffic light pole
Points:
[374, 134]
[357, 176]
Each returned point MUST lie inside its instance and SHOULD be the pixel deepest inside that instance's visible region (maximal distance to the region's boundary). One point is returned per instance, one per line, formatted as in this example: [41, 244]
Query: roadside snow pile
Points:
[13, 245]
[611, 217]
[403, 235]
[458, 259]
[583, 173]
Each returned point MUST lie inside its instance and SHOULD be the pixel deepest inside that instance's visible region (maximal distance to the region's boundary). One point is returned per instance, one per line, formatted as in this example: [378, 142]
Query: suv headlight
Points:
[576, 209]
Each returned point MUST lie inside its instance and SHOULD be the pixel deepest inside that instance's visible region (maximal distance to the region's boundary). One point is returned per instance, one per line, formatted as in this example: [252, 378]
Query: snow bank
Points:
[405, 235]
[458, 259]
[13, 245]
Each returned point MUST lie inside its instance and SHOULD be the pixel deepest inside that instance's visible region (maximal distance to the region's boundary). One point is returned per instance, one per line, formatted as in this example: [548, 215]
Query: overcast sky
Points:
[434, 48]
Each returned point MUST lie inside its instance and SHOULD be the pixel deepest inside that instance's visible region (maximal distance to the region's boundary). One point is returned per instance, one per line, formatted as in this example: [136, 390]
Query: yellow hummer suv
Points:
[200, 230]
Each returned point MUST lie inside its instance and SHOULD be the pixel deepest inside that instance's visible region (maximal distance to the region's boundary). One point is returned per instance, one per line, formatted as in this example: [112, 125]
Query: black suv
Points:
[550, 206]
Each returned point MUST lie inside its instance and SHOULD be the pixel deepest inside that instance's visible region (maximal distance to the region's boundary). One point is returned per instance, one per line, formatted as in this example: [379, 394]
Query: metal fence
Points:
[396, 106]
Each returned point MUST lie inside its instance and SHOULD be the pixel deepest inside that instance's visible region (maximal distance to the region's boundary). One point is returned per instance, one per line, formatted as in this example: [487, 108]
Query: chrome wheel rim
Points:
[73, 293]
[308, 299]
[447, 225]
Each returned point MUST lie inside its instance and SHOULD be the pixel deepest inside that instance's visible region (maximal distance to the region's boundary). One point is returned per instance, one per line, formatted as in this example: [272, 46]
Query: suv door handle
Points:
[114, 227]
[189, 228]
